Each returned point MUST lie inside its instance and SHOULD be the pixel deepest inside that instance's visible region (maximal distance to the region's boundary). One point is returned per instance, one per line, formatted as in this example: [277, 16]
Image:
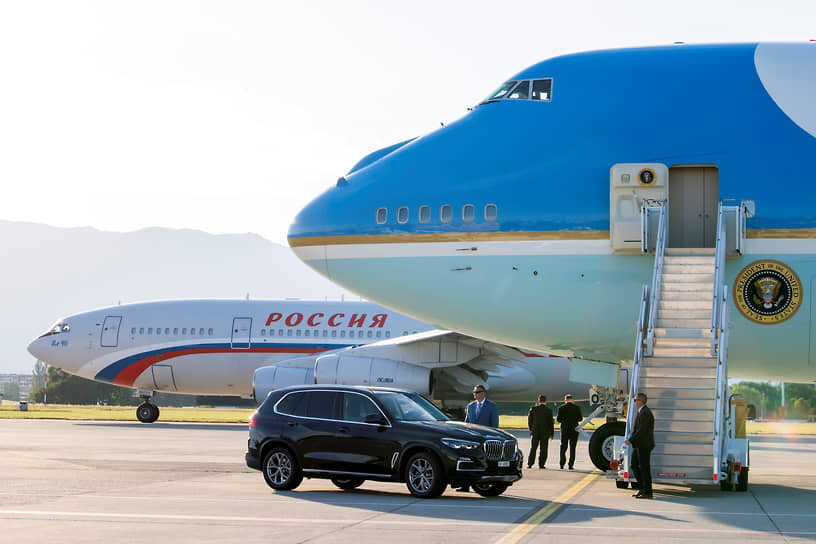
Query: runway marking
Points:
[536, 519]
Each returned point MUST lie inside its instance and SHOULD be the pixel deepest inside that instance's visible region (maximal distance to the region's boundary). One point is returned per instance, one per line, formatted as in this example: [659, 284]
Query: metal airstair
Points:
[681, 355]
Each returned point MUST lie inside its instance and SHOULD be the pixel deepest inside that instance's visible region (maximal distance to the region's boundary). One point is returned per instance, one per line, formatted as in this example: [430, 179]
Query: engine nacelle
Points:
[348, 370]
[269, 378]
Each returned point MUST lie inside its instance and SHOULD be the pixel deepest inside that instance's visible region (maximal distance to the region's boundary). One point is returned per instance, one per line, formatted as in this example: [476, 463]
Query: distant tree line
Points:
[766, 398]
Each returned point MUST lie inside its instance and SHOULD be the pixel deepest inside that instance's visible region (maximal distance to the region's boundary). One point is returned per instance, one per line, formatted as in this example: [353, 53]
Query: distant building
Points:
[23, 381]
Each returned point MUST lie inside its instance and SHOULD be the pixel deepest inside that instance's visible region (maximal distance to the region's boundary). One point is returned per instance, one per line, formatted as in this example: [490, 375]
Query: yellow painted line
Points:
[536, 519]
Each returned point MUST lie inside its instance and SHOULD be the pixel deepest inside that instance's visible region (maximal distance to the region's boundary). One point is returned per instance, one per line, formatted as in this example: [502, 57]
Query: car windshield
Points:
[409, 407]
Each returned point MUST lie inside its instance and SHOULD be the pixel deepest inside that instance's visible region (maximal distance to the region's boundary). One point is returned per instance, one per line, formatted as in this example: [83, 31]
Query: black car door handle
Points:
[343, 429]
[292, 423]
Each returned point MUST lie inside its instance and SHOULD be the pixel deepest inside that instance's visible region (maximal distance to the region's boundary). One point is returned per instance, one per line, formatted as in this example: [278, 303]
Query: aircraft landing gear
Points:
[147, 412]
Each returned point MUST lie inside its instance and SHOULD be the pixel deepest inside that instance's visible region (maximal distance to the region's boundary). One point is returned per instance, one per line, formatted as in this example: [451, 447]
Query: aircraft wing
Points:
[437, 349]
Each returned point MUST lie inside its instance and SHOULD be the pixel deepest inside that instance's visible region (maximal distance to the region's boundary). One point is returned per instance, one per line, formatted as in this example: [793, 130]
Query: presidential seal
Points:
[767, 292]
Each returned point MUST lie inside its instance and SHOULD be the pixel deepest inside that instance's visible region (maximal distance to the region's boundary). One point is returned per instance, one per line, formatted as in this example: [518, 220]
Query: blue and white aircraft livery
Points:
[249, 347]
[520, 223]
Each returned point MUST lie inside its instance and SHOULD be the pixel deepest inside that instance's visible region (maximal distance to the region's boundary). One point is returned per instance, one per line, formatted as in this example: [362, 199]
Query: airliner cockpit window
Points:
[542, 89]
[521, 91]
[56, 328]
[499, 93]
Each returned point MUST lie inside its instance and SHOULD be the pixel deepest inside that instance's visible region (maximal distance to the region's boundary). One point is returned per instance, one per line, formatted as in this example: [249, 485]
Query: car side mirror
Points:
[376, 419]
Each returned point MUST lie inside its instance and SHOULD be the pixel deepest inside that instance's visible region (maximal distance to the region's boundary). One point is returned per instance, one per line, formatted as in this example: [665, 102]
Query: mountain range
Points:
[49, 272]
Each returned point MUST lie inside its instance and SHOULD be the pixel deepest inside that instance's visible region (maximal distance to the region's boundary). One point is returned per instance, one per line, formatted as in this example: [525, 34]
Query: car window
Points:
[321, 404]
[357, 407]
[293, 404]
[409, 407]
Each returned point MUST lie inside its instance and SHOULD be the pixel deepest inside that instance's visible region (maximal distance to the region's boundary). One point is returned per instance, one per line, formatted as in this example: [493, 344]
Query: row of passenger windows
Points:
[445, 214]
[176, 330]
[325, 333]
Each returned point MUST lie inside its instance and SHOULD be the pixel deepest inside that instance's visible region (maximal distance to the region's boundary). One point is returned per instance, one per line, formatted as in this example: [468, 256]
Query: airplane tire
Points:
[347, 483]
[281, 470]
[147, 412]
[601, 444]
[493, 489]
[742, 480]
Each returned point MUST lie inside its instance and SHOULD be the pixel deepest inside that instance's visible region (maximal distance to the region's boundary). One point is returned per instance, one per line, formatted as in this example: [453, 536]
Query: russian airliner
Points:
[249, 347]
[522, 222]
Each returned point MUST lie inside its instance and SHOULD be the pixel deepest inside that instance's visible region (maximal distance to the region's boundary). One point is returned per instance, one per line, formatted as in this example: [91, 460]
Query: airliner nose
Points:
[307, 233]
[37, 348]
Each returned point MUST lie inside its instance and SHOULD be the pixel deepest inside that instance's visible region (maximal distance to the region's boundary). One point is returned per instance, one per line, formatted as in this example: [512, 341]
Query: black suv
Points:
[352, 434]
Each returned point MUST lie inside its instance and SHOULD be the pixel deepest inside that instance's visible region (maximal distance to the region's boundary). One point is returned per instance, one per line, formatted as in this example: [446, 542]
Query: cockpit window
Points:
[499, 93]
[57, 328]
[528, 89]
[542, 89]
[520, 91]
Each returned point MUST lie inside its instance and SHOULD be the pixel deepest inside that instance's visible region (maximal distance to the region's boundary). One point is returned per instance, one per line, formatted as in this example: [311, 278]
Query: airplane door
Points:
[241, 328]
[110, 331]
[693, 200]
[163, 377]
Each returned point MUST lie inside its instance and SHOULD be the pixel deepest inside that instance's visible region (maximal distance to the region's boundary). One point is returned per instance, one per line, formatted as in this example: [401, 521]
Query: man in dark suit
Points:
[569, 416]
[481, 412]
[642, 441]
[540, 423]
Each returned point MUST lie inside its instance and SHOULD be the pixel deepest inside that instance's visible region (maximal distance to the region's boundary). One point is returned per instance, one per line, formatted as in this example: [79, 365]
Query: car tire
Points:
[348, 483]
[621, 484]
[601, 444]
[281, 470]
[742, 480]
[493, 489]
[424, 476]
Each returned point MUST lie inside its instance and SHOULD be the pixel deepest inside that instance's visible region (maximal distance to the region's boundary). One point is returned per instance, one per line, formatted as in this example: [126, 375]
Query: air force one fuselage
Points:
[249, 347]
[520, 222]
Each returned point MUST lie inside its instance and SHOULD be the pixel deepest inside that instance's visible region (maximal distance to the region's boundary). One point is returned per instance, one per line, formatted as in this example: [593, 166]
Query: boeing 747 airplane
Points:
[538, 218]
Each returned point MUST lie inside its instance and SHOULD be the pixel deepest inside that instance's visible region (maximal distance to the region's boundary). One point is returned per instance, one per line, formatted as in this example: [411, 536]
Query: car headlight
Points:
[459, 444]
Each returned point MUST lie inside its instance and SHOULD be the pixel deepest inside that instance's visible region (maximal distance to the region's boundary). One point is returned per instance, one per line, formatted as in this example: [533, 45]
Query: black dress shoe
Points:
[636, 495]
[464, 489]
[529, 466]
[644, 496]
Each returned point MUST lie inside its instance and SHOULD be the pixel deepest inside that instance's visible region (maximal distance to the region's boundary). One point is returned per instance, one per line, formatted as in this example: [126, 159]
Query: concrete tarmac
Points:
[83, 481]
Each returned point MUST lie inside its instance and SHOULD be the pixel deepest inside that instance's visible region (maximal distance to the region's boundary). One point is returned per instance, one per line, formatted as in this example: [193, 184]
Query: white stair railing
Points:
[638, 358]
[657, 273]
[721, 408]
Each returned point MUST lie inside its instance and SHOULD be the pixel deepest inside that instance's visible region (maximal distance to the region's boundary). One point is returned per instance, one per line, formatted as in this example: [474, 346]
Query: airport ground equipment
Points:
[681, 357]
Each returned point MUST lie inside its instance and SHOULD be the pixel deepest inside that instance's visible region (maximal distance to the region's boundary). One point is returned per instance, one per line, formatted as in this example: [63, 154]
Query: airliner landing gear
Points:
[602, 443]
[147, 412]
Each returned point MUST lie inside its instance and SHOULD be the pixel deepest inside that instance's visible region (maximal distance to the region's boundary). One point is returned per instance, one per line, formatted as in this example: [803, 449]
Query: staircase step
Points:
[700, 394]
[670, 414]
[688, 278]
[677, 294]
[678, 372]
[683, 341]
[698, 439]
[699, 289]
[685, 426]
[684, 323]
[688, 260]
[687, 268]
[677, 383]
[684, 313]
[689, 251]
[686, 304]
[674, 403]
[681, 351]
[656, 362]
[667, 474]
[683, 333]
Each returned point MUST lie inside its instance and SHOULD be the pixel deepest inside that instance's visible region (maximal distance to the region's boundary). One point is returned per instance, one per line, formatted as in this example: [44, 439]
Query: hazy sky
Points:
[228, 116]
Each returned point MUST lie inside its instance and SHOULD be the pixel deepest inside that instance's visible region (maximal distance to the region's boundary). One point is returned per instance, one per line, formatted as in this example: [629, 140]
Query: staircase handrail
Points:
[638, 358]
[720, 407]
[657, 275]
[719, 271]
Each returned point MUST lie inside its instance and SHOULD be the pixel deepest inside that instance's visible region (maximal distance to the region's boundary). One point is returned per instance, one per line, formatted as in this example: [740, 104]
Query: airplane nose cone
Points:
[307, 234]
[37, 349]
